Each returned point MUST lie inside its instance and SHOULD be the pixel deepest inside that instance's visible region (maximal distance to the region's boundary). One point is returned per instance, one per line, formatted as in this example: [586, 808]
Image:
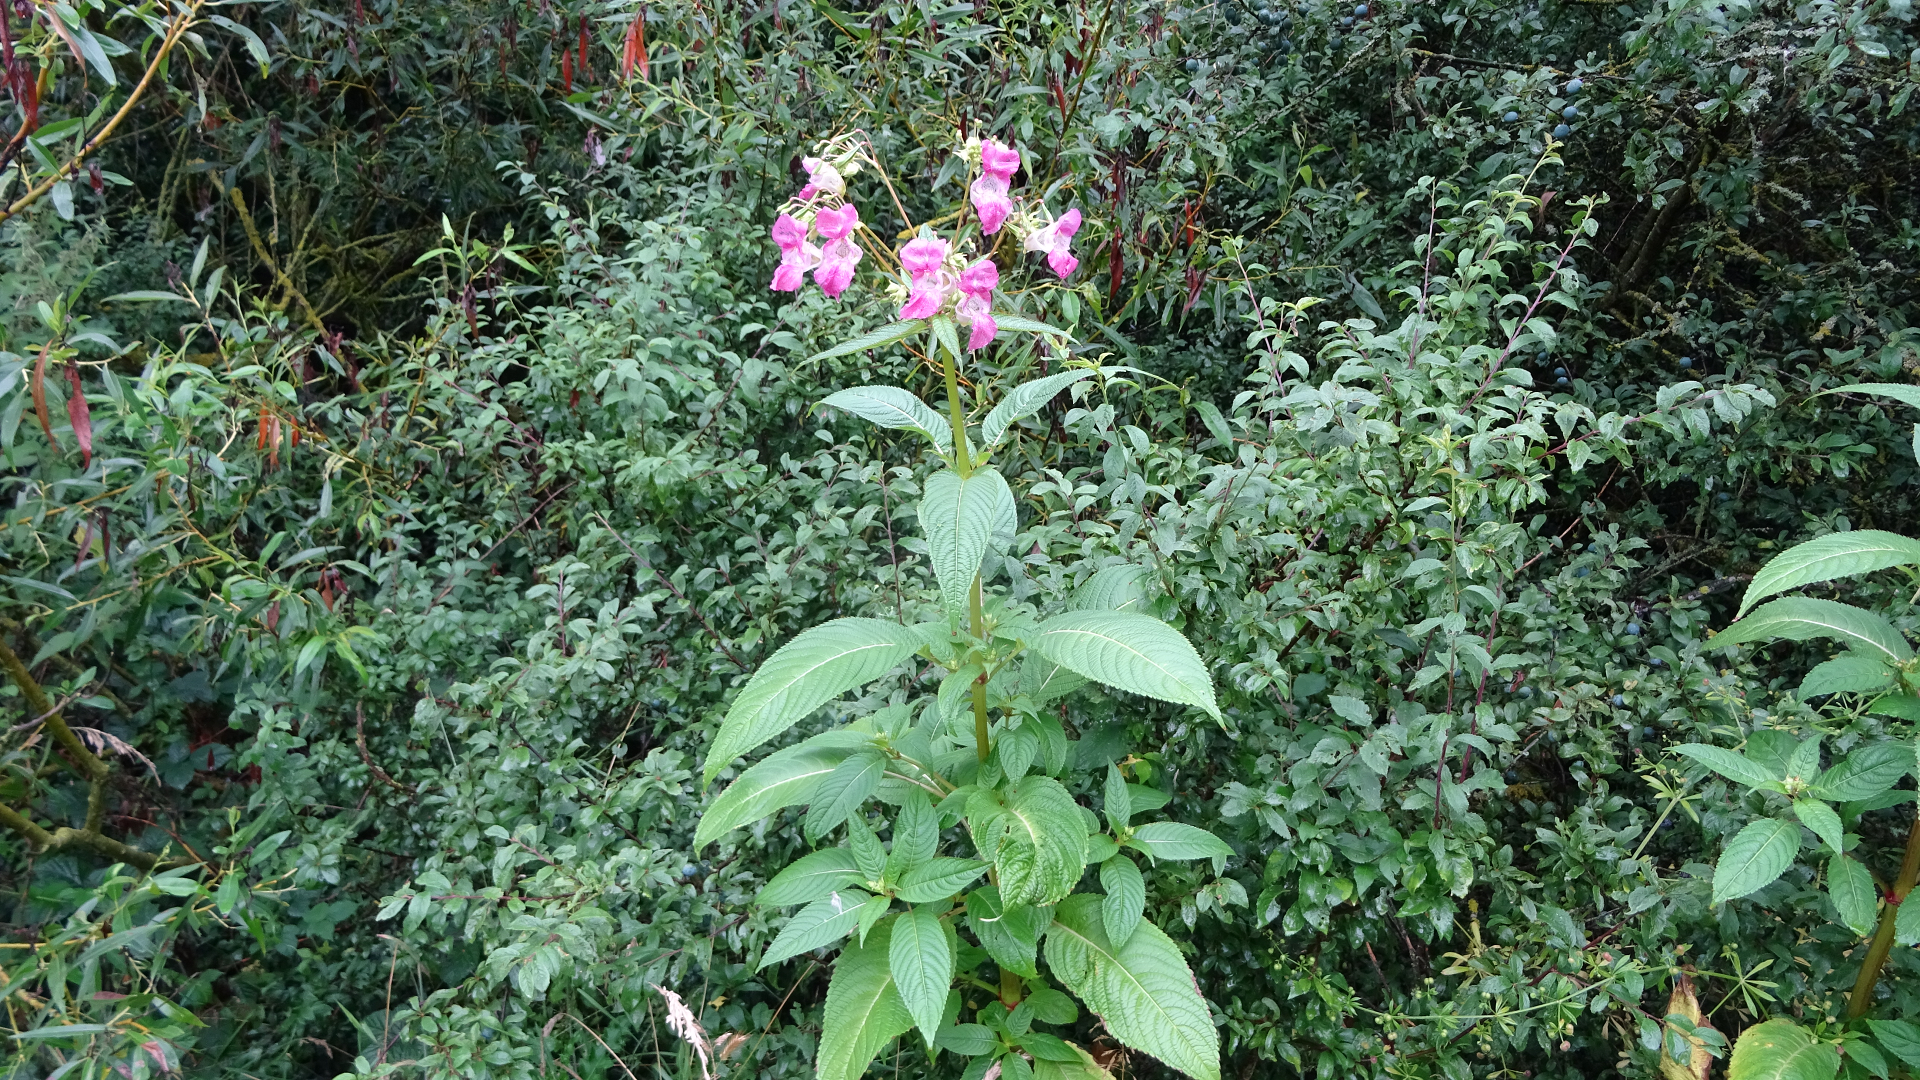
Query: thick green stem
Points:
[955, 414]
[1862, 998]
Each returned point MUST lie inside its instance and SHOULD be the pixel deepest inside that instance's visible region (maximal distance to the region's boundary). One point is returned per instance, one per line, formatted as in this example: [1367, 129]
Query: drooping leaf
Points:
[1023, 401]
[921, 959]
[80, 416]
[1112, 588]
[822, 922]
[864, 1010]
[818, 665]
[1820, 817]
[1756, 856]
[1178, 841]
[1128, 651]
[1126, 898]
[1781, 1050]
[1036, 837]
[786, 778]
[1835, 555]
[873, 339]
[1010, 935]
[958, 517]
[1142, 990]
[938, 879]
[895, 407]
[840, 792]
[1851, 888]
[1864, 773]
[1852, 673]
[1802, 618]
[810, 878]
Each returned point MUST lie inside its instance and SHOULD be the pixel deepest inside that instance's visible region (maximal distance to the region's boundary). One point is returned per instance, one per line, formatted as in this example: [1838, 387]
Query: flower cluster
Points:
[833, 261]
[938, 278]
[990, 200]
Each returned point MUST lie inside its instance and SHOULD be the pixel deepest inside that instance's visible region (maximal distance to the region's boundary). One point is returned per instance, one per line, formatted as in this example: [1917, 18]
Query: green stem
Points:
[955, 414]
[1862, 998]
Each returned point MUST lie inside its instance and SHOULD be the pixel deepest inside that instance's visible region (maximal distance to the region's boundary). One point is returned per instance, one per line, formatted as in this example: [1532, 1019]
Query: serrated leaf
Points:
[810, 878]
[817, 666]
[786, 778]
[1820, 817]
[1756, 856]
[1142, 990]
[1903, 706]
[1126, 898]
[1042, 680]
[841, 791]
[916, 835]
[822, 922]
[1802, 618]
[869, 858]
[1866, 772]
[1009, 935]
[1112, 588]
[873, 339]
[938, 879]
[1083, 1067]
[1178, 841]
[1052, 1007]
[1781, 1050]
[921, 959]
[1836, 555]
[895, 407]
[1852, 673]
[949, 338]
[1117, 801]
[958, 517]
[968, 1040]
[1906, 924]
[1851, 888]
[1023, 325]
[1037, 841]
[1128, 651]
[864, 1009]
[1023, 401]
[1899, 1038]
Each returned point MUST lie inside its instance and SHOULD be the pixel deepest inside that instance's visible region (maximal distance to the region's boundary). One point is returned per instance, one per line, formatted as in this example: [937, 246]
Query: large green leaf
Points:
[1730, 764]
[810, 878]
[1128, 651]
[1126, 898]
[938, 879]
[1177, 841]
[814, 668]
[1851, 673]
[864, 1009]
[958, 517]
[1011, 935]
[1112, 588]
[1082, 1067]
[1023, 401]
[1820, 817]
[786, 778]
[873, 339]
[841, 791]
[895, 407]
[1800, 618]
[1142, 990]
[1781, 1050]
[1866, 772]
[1035, 838]
[1760, 853]
[822, 922]
[921, 958]
[1851, 887]
[916, 835]
[1899, 1038]
[1832, 556]
[1906, 924]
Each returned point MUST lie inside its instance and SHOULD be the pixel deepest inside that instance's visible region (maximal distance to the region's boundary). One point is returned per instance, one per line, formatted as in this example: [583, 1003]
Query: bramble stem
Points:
[1862, 998]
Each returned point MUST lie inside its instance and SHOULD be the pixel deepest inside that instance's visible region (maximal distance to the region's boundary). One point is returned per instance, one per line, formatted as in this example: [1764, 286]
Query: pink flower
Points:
[1053, 240]
[991, 202]
[977, 282]
[998, 161]
[788, 233]
[980, 279]
[823, 177]
[807, 192]
[925, 298]
[794, 264]
[837, 260]
[837, 224]
[923, 256]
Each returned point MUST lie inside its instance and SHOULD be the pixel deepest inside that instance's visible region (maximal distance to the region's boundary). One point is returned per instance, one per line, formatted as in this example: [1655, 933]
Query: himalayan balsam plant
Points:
[948, 922]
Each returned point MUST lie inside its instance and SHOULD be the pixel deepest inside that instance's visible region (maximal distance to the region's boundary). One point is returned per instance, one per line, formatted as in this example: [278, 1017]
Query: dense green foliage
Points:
[398, 571]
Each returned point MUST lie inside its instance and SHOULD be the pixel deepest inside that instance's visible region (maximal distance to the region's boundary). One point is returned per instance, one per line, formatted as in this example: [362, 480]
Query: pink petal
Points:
[984, 330]
[923, 302]
[997, 160]
[990, 200]
[923, 256]
[836, 224]
[807, 192]
[980, 279]
[788, 277]
[834, 277]
[1069, 223]
[788, 232]
[1063, 262]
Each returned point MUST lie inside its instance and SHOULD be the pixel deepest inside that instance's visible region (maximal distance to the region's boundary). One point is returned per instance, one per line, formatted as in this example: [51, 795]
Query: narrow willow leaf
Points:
[1126, 898]
[1851, 887]
[1756, 856]
[1835, 555]
[895, 407]
[841, 791]
[938, 879]
[1023, 401]
[810, 878]
[921, 959]
[1781, 1050]
[814, 668]
[1868, 771]
[958, 517]
[1801, 618]
[869, 858]
[864, 1009]
[822, 922]
[1853, 673]
[1730, 764]
[1825, 824]
[786, 778]
[1177, 841]
[1142, 990]
[1128, 651]
[873, 339]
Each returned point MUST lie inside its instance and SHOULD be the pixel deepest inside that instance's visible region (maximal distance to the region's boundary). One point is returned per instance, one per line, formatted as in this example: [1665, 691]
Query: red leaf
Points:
[566, 71]
[81, 417]
[586, 68]
[40, 394]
